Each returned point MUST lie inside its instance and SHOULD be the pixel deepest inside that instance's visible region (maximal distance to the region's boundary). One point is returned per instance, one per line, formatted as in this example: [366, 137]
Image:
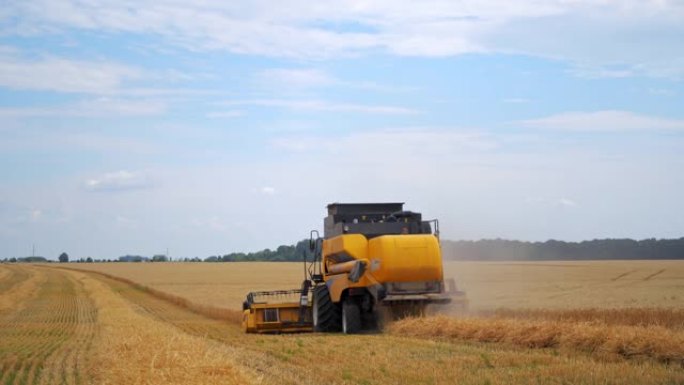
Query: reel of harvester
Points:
[278, 311]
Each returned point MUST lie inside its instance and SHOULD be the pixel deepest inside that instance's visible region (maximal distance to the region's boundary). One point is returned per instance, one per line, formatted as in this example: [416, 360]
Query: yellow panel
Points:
[354, 245]
[248, 321]
[291, 314]
[405, 258]
[339, 283]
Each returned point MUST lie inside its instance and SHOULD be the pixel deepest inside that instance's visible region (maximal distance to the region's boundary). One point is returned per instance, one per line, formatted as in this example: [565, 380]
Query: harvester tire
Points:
[326, 314]
[351, 317]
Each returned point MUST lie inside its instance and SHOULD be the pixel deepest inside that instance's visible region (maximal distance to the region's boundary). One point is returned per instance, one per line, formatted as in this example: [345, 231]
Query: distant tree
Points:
[89, 260]
[64, 257]
[12, 259]
[159, 258]
[32, 259]
[598, 249]
[133, 258]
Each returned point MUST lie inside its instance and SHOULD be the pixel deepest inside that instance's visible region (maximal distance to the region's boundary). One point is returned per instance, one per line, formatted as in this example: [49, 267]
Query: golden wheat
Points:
[386, 359]
[46, 338]
[490, 285]
[655, 342]
[124, 330]
[22, 284]
[570, 285]
[221, 285]
[133, 348]
[669, 318]
[230, 315]
[4, 273]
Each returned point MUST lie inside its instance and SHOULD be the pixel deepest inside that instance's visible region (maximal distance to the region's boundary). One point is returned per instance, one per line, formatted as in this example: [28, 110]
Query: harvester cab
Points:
[374, 261]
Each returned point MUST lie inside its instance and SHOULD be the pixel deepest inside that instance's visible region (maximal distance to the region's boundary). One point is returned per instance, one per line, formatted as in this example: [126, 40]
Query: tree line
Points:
[482, 250]
[507, 250]
[552, 250]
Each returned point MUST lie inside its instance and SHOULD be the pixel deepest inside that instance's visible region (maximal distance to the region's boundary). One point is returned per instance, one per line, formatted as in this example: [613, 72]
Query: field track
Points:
[11, 276]
[67, 332]
[47, 339]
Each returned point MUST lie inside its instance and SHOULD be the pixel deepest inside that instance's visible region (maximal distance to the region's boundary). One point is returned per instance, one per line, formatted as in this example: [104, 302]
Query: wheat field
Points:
[176, 323]
[490, 285]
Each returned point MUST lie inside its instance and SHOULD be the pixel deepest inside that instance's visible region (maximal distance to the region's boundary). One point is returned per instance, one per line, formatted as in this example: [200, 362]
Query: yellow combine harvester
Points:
[374, 259]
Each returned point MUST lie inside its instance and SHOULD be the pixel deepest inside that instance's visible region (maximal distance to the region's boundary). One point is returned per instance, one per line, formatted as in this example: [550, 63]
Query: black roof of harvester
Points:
[372, 219]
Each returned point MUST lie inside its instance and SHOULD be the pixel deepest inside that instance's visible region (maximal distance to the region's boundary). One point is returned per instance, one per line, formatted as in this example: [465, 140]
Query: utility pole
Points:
[33, 250]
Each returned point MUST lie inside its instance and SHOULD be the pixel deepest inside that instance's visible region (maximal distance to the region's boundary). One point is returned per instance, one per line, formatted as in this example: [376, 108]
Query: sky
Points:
[208, 127]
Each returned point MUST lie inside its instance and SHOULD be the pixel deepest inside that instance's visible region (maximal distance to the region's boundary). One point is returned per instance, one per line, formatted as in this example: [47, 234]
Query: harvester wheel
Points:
[326, 314]
[351, 317]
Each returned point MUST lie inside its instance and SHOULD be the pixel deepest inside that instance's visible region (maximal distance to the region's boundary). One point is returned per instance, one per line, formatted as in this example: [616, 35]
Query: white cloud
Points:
[661, 92]
[36, 214]
[300, 78]
[406, 143]
[120, 181]
[597, 36]
[291, 81]
[14, 215]
[125, 222]
[547, 202]
[213, 223]
[118, 107]
[47, 139]
[323, 106]
[20, 71]
[102, 144]
[597, 72]
[64, 75]
[225, 114]
[99, 107]
[268, 190]
[604, 121]
[567, 202]
[516, 100]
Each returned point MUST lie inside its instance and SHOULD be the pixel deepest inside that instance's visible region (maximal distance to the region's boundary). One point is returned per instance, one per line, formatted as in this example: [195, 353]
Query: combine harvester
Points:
[375, 260]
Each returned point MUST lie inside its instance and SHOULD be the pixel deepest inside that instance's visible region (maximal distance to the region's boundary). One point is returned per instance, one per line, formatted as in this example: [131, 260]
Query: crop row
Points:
[44, 341]
[652, 342]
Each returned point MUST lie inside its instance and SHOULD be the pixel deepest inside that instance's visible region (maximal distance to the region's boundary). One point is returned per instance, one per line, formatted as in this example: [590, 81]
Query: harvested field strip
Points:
[12, 276]
[22, 285]
[169, 311]
[230, 315]
[383, 359]
[133, 347]
[669, 318]
[46, 340]
[653, 342]
[4, 273]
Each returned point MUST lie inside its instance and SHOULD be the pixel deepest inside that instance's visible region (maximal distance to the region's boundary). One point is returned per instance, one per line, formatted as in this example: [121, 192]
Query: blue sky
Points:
[205, 128]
